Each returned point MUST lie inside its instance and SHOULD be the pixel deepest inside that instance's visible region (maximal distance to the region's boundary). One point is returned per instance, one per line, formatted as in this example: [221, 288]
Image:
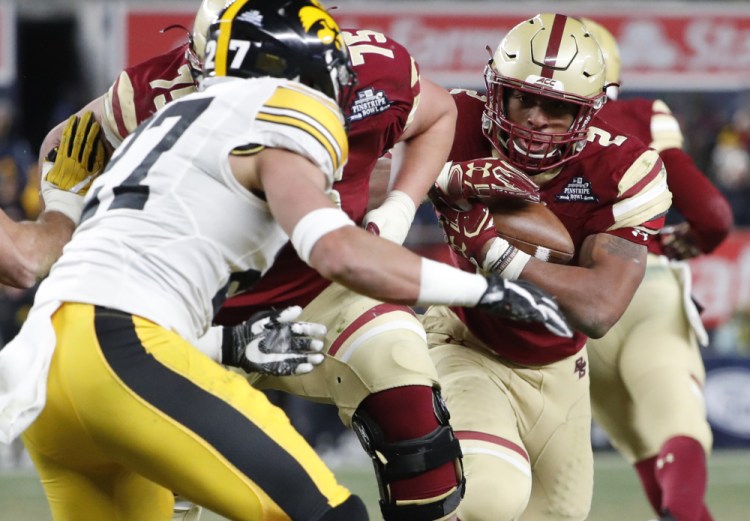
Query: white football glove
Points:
[270, 342]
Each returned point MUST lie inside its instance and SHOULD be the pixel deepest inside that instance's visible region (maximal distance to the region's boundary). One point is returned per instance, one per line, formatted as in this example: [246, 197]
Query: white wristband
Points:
[441, 284]
[313, 226]
[57, 200]
[504, 259]
[394, 217]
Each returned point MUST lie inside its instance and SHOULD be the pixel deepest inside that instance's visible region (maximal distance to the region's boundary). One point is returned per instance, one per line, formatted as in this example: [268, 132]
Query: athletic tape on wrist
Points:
[505, 260]
[313, 226]
[394, 217]
[444, 177]
[442, 284]
[67, 203]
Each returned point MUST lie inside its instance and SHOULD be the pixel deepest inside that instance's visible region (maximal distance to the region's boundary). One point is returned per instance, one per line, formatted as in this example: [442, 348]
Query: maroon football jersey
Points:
[699, 202]
[142, 89]
[615, 185]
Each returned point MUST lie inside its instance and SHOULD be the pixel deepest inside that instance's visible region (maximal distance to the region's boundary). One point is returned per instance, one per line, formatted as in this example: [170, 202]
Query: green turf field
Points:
[616, 493]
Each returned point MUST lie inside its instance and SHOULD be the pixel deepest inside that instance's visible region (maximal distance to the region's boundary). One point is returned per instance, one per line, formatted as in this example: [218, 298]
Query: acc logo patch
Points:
[369, 102]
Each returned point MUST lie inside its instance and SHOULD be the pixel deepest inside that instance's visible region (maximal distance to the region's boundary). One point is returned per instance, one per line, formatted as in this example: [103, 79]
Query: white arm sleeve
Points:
[442, 284]
[313, 226]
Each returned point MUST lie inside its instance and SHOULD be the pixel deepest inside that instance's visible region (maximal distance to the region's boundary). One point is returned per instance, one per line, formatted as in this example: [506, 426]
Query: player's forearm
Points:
[40, 242]
[593, 296]
[698, 200]
[391, 273]
[14, 270]
[419, 158]
[338, 257]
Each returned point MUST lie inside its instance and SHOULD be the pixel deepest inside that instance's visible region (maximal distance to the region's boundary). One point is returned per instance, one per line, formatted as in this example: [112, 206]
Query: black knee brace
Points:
[405, 459]
[353, 509]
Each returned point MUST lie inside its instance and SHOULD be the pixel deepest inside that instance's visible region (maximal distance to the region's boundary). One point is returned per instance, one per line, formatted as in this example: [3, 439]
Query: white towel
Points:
[24, 367]
[682, 271]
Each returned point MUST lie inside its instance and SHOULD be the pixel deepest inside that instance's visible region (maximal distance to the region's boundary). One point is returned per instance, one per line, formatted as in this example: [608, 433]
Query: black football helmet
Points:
[294, 39]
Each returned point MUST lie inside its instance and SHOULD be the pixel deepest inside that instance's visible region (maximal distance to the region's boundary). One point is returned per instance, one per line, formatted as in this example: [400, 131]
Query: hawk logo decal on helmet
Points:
[328, 32]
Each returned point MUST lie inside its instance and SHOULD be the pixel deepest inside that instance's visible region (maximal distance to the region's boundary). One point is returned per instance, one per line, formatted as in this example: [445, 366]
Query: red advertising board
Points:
[694, 46]
[144, 31]
[721, 281]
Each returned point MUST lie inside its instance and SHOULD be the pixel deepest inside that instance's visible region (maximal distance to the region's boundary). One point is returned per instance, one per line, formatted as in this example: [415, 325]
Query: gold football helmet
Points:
[611, 52]
[549, 55]
[206, 14]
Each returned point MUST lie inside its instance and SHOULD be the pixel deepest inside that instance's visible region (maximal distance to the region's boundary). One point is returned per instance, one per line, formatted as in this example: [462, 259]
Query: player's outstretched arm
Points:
[328, 240]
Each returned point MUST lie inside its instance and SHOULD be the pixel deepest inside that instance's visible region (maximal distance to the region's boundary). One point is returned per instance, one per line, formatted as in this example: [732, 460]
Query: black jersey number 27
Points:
[131, 193]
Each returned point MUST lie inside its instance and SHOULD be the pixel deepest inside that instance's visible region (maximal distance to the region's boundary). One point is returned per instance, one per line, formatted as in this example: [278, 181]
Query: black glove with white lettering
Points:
[270, 342]
[523, 301]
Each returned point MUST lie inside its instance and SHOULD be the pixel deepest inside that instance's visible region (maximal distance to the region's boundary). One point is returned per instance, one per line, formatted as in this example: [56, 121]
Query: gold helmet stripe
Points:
[553, 45]
[225, 31]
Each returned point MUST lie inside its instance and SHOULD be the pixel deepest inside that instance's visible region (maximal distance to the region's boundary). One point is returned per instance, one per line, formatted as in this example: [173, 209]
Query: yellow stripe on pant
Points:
[135, 412]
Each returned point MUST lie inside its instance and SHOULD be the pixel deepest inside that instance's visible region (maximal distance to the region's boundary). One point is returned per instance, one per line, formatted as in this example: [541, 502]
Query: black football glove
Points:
[523, 301]
[270, 342]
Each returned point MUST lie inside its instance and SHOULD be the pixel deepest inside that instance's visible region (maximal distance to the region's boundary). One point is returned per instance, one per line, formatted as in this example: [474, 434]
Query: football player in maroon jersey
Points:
[518, 396]
[647, 373]
[379, 374]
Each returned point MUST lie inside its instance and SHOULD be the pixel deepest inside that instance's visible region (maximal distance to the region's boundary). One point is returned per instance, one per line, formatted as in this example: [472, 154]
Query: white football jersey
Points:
[167, 230]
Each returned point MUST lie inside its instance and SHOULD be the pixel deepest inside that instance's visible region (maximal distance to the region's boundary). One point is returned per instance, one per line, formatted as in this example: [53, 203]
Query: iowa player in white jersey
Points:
[123, 409]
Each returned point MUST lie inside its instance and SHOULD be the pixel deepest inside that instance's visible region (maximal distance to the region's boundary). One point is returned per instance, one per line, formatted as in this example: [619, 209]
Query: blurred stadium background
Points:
[55, 55]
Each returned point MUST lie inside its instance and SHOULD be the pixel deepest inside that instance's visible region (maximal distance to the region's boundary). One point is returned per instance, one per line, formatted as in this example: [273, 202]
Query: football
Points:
[534, 229]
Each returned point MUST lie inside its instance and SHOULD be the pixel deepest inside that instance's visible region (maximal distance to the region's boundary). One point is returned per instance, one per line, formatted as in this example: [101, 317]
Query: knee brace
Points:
[404, 459]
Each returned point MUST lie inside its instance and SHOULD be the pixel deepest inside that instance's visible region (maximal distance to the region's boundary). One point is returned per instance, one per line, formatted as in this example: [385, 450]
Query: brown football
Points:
[534, 229]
